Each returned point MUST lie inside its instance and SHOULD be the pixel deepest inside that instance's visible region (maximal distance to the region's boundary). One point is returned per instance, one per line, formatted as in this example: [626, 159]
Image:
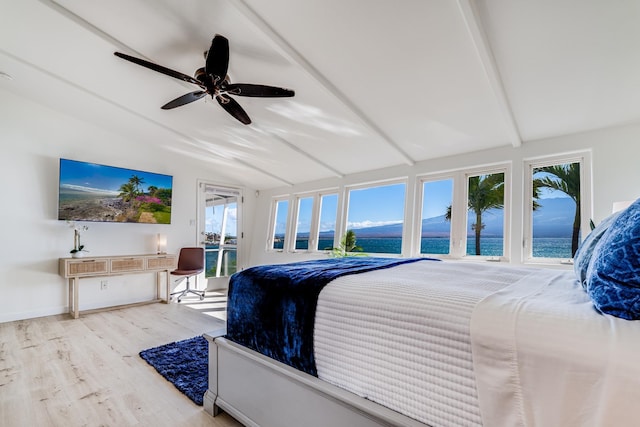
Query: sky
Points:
[81, 175]
[329, 210]
[213, 219]
[437, 198]
[281, 216]
[373, 206]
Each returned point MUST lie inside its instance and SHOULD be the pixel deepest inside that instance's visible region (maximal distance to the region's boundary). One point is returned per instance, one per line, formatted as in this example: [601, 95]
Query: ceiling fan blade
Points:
[262, 91]
[217, 61]
[158, 68]
[233, 108]
[184, 99]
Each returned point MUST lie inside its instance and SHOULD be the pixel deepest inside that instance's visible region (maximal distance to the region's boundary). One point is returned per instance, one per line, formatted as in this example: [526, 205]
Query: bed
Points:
[419, 342]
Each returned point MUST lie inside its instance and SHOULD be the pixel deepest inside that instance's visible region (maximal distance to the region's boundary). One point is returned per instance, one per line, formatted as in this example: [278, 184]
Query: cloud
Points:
[87, 189]
[368, 223]
[213, 224]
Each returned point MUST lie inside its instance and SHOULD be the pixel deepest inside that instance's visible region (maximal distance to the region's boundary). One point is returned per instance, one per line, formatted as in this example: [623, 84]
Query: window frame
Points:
[459, 211]
[273, 223]
[417, 226]
[297, 199]
[412, 208]
[584, 159]
[315, 225]
[373, 184]
[504, 168]
[291, 228]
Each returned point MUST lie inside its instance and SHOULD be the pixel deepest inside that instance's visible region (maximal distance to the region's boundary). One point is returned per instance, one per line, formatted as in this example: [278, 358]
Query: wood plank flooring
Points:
[59, 371]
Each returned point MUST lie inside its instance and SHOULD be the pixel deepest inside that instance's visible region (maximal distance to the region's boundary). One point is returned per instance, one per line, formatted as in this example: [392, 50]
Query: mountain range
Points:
[554, 218]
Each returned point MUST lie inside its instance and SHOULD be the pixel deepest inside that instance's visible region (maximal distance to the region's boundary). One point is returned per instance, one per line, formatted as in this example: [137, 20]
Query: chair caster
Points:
[201, 297]
[179, 300]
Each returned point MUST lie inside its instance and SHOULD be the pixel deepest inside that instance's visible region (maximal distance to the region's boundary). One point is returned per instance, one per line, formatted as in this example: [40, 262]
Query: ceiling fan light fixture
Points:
[214, 81]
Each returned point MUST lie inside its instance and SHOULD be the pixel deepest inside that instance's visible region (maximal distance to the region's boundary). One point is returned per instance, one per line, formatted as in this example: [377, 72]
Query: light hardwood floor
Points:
[59, 371]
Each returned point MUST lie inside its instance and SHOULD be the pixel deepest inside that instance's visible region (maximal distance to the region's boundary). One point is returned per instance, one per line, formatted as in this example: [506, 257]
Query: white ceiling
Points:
[378, 82]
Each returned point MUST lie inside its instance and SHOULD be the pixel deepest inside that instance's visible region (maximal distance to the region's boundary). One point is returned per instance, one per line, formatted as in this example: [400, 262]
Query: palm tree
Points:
[565, 178]
[485, 192]
[127, 192]
[537, 190]
[137, 182]
[350, 242]
[347, 245]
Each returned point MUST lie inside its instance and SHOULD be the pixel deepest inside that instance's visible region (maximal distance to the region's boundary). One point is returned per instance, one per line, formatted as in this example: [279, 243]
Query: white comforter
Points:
[462, 344]
[544, 357]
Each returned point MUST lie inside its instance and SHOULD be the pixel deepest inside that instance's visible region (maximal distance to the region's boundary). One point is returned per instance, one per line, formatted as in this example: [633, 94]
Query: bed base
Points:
[259, 391]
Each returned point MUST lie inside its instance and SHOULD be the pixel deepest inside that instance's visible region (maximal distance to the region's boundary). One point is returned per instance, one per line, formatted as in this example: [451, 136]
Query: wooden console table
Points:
[76, 268]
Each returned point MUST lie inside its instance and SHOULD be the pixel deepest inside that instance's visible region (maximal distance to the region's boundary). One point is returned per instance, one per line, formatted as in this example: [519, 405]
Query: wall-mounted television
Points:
[93, 192]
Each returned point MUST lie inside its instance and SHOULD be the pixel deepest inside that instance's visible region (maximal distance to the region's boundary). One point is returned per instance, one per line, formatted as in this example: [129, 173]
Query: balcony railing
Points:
[221, 260]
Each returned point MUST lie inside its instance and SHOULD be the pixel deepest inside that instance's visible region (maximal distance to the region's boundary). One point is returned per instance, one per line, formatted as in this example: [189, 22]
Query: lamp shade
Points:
[161, 240]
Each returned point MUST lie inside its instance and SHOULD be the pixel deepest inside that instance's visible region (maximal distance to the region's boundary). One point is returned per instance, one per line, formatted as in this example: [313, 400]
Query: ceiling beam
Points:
[481, 43]
[295, 57]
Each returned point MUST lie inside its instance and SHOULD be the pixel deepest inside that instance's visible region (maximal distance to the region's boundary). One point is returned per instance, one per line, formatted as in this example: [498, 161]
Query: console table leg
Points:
[168, 284]
[158, 285]
[70, 280]
[76, 298]
[74, 309]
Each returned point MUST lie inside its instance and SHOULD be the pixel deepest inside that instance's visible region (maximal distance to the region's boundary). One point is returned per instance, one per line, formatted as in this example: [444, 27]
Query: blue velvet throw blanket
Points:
[271, 308]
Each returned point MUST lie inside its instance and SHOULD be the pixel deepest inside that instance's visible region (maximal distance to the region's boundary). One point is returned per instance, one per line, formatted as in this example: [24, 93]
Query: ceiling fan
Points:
[214, 81]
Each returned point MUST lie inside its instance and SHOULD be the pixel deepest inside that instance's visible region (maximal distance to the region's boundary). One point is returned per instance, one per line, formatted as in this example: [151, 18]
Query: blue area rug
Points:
[185, 364]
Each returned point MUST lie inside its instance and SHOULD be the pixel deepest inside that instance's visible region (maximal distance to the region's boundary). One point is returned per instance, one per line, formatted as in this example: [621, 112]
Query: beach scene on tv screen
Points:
[93, 192]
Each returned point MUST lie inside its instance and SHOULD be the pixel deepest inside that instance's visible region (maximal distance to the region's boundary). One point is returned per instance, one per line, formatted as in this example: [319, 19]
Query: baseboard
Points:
[32, 314]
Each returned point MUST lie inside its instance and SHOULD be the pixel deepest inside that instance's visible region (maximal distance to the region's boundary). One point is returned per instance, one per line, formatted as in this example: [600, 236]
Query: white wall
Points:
[616, 176]
[33, 139]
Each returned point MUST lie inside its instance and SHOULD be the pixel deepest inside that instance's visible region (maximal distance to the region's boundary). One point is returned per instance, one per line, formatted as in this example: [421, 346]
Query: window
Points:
[485, 214]
[435, 225]
[279, 218]
[376, 216]
[303, 223]
[555, 200]
[314, 227]
[454, 205]
[327, 221]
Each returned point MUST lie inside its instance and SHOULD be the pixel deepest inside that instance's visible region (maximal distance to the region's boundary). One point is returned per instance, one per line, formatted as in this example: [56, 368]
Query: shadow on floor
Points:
[214, 304]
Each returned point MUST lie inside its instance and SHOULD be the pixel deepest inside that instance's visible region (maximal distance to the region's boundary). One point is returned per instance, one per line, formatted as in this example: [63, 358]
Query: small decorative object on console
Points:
[78, 248]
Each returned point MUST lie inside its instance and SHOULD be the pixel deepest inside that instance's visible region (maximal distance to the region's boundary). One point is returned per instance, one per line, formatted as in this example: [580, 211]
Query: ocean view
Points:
[552, 229]
[543, 247]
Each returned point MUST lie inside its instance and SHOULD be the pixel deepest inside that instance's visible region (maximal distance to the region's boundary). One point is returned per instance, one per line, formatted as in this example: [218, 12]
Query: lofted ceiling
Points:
[378, 83]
